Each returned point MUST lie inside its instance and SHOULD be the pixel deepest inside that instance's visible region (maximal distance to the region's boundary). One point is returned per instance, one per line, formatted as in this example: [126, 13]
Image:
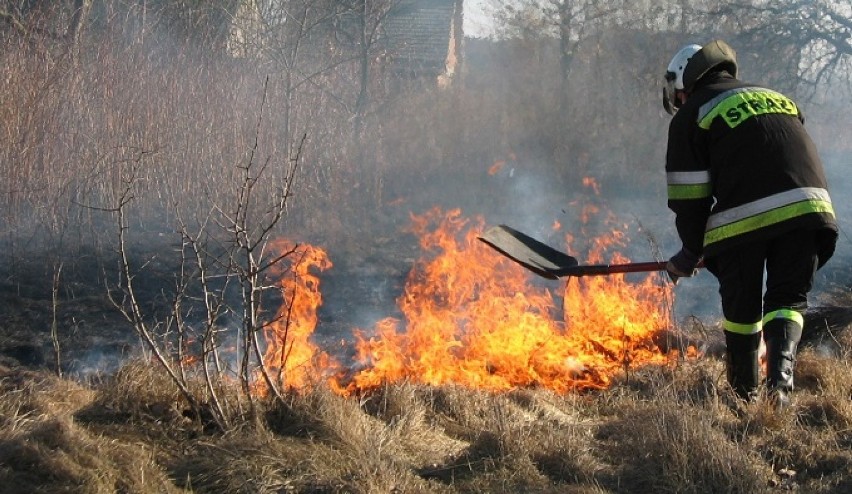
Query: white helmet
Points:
[678, 64]
[690, 63]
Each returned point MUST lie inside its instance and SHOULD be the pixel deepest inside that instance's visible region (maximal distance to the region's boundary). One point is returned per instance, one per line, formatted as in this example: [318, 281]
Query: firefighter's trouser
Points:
[789, 262]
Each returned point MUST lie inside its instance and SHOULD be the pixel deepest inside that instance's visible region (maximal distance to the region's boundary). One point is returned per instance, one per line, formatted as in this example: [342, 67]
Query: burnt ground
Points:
[92, 335]
[95, 338]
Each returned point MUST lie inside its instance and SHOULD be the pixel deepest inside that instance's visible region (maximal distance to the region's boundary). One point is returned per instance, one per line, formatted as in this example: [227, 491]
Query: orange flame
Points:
[291, 358]
[473, 317]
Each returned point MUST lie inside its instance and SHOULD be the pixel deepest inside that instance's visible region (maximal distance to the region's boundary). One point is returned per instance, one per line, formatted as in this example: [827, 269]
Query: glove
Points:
[684, 264]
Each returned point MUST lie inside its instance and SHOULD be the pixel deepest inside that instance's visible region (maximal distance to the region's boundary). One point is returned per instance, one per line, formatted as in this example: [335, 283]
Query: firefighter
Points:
[750, 197]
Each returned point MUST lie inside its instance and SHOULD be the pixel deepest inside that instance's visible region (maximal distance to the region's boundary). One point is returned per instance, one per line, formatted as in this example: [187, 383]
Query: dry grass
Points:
[663, 430]
[43, 448]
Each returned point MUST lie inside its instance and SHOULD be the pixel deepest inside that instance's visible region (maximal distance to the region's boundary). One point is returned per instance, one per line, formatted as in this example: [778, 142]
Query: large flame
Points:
[474, 318]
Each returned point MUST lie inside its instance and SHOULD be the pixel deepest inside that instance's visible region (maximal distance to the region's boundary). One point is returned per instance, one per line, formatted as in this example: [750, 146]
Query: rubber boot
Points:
[782, 339]
[742, 368]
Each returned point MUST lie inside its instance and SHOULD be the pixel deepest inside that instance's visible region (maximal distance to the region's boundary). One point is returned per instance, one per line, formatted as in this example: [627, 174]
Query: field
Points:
[236, 275]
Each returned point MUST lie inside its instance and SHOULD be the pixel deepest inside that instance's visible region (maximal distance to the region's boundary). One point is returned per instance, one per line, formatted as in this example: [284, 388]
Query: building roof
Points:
[417, 34]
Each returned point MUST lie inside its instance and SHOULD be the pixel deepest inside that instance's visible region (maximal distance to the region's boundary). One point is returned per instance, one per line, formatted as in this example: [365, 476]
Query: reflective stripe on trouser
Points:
[789, 261]
[740, 328]
[788, 314]
[756, 327]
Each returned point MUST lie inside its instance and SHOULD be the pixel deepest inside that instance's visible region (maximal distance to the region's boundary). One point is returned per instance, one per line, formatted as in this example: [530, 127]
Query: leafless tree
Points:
[364, 34]
[813, 36]
[227, 246]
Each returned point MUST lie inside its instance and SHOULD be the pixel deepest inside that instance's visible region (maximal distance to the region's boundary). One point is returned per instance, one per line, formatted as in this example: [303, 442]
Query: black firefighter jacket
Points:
[740, 167]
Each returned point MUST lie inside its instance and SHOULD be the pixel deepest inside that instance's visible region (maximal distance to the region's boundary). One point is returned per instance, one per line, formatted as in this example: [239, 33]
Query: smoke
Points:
[180, 125]
[837, 274]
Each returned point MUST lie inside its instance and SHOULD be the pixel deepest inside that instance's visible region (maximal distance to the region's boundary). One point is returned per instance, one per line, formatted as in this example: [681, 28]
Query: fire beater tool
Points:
[550, 263]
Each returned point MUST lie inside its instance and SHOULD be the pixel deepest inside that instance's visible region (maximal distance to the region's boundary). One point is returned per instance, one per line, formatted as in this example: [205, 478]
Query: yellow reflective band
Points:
[735, 327]
[766, 219]
[765, 204]
[698, 191]
[738, 105]
[789, 314]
